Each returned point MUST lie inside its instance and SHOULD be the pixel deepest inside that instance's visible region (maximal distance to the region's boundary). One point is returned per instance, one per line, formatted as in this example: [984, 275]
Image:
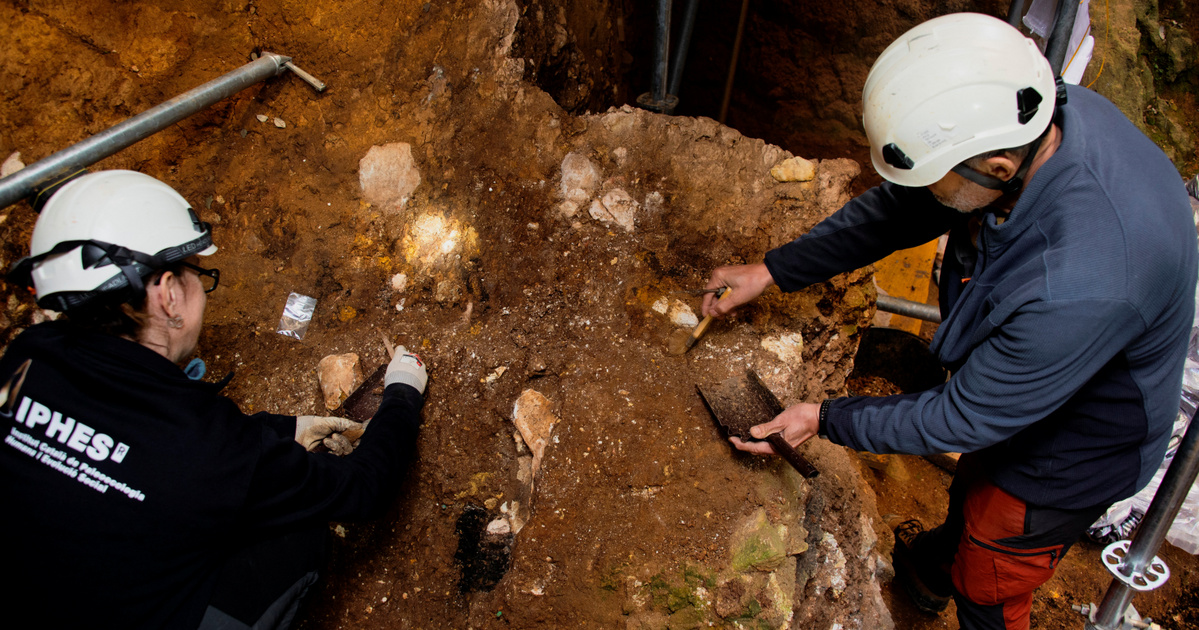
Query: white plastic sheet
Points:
[1039, 20]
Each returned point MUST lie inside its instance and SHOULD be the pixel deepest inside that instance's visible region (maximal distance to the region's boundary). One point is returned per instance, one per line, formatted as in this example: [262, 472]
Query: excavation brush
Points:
[680, 341]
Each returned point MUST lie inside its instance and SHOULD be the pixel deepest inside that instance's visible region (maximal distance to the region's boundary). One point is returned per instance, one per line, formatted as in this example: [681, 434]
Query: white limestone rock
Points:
[682, 315]
[339, 376]
[388, 175]
[12, 164]
[580, 179]
[787, 347]
[534, 417]
[616, 207]
[794, 169]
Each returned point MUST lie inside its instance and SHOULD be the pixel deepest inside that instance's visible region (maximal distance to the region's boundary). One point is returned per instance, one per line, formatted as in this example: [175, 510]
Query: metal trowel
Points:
[361, 404]
[738, 403]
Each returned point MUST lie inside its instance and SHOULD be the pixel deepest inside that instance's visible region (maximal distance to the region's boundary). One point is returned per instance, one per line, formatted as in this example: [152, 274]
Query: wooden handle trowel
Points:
[680, 341]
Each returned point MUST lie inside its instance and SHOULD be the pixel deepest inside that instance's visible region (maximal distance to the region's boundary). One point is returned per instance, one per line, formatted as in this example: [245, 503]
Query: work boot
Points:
[929, 586]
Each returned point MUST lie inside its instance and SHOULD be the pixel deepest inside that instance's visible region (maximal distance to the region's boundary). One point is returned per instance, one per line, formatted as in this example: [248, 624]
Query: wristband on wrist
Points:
[822, 429]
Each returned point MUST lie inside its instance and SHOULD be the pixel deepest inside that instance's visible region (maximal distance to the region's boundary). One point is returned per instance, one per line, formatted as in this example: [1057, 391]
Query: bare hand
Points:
[797, 422]
[746, 283]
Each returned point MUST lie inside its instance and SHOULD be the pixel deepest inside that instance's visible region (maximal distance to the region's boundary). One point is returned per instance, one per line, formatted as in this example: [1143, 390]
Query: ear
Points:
[1001, 167]
[166, 295]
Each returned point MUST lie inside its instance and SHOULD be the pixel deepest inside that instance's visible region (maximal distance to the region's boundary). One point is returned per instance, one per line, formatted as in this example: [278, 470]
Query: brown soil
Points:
[638, 483]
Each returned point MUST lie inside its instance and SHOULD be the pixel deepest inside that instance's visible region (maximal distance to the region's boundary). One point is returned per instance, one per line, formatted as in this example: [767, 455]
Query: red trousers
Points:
[999, 549]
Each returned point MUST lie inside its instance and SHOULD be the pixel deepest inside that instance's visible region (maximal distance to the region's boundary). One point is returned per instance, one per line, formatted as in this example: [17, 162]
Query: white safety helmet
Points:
[952, 88]
[103, 233]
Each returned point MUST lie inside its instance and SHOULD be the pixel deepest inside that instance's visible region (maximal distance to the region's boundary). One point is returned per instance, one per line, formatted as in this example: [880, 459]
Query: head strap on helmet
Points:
[1011, 186]
[134, 266]
[1028, 100]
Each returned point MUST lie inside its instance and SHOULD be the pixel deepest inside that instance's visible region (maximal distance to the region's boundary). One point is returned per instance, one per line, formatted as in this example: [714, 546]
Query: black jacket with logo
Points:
[125, 484]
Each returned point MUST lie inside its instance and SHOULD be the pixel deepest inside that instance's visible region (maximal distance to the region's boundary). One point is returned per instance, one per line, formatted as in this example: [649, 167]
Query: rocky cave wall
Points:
[802, 66]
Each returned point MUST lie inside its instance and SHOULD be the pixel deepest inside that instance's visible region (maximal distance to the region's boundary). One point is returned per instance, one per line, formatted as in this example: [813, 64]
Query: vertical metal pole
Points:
[1015, 12]
[728, 84]
[1158, 519]
[680, 52]
[1059, 38]
[662, 52]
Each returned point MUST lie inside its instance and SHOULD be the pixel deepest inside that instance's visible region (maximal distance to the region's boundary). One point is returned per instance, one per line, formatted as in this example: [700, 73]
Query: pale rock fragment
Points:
[339, 376]
[599, 212]
[11, 164]
[617, 207]
[580, 179]
[262, 118]
[568, 209]
[499, 527]
[387, 175]
[661, 305]
[399, 282]
[771, 154]
[280, 123]
[788, 347]
[494, 376]
[45, 315]
[834, 571]
[794, 169]
[620, 122]
[518, 515]
[534, 417]
[682, 315]
[654, 202]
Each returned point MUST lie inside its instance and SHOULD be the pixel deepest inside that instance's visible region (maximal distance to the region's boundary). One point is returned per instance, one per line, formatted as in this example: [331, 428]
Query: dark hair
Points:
[123, 314]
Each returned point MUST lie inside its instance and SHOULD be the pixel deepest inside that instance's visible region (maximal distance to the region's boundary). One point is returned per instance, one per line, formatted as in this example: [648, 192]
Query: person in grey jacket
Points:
[1067, 297]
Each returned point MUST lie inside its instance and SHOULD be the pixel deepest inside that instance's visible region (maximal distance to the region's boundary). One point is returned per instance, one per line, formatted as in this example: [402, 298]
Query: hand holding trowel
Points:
[739, 404]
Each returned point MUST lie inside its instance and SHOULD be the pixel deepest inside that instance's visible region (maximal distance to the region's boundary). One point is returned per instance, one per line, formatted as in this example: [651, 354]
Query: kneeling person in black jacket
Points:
[136, 497]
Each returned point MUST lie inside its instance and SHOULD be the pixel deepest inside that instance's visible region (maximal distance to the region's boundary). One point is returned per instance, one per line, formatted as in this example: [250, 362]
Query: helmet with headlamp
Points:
[950, 89]
[100, 236]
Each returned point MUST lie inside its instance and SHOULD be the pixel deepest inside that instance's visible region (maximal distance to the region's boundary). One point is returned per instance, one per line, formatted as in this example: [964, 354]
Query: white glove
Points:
[406, 368]
[338, 444]
[314, 430]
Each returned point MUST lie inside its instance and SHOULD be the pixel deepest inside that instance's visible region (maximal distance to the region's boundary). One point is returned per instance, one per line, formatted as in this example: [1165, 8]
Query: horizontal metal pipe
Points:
[24, 182]
[908, 308]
